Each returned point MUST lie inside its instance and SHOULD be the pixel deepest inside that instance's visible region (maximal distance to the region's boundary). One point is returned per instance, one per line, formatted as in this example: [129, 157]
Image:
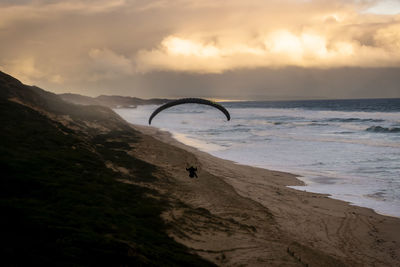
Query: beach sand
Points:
[240, 215]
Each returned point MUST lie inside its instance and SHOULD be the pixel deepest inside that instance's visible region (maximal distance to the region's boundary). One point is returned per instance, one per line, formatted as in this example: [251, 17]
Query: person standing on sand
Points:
[192, 172]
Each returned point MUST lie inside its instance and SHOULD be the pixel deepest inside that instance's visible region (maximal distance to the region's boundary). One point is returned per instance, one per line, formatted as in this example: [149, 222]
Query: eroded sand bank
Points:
[241, 215]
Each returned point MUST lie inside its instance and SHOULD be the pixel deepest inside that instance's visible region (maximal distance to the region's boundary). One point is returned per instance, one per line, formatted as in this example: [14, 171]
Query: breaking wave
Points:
[380, 129]
[353, 120]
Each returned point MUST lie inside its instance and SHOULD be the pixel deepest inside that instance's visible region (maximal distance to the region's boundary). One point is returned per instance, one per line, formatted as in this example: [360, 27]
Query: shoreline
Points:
[303, 179]
[332, 229]
[171, 138]
[335, 146]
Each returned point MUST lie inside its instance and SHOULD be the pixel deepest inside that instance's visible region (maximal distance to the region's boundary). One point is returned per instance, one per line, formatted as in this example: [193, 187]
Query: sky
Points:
[227, 49]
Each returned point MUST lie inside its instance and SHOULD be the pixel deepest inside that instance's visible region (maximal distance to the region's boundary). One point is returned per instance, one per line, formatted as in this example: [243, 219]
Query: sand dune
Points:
[240, 215]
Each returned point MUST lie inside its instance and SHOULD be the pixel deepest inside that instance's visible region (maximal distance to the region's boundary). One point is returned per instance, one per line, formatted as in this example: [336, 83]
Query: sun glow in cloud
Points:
[178, 46]
[277, 49]
[284, 42]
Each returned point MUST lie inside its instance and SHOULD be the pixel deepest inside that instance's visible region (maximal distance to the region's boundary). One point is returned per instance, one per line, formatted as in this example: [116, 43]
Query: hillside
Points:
[111, 101]
[82, 187]
[62, 199]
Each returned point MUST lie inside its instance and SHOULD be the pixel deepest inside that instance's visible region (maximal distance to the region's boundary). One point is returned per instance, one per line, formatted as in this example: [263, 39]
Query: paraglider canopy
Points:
[190, 101]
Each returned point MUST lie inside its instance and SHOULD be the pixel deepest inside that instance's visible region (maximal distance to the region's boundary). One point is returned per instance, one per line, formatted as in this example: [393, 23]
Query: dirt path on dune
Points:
[240, 215]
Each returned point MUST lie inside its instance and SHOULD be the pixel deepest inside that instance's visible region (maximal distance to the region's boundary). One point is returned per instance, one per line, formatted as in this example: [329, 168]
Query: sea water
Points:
[349, 149]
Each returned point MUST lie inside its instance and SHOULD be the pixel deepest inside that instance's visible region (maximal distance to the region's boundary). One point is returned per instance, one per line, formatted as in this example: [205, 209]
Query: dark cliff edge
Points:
[61, 199]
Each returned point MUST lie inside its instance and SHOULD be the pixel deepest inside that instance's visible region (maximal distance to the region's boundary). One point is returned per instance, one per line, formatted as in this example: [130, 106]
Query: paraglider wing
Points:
[190, 101]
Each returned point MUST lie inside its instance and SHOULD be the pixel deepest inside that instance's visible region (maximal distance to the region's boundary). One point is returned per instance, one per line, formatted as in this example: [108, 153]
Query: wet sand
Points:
[240, 215]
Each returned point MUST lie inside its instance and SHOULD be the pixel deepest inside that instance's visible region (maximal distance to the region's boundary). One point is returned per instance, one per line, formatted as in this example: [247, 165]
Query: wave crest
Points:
[353, 120]
[380, 129]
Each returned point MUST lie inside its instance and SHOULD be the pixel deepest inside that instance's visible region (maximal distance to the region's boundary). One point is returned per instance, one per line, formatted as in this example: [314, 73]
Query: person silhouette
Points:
[192, 172]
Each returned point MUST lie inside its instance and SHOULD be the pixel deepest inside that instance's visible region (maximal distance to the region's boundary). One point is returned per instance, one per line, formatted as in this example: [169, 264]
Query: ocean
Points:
[349, 149]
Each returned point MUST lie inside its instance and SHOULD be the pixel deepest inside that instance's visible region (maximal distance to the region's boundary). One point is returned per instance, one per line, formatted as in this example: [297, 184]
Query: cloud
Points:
[27, 70]
[279, 48]
[107, 64]
[389, 38]
[385, 7]
[274, 35]
[65, 44]
[24, 68]
[47, 10]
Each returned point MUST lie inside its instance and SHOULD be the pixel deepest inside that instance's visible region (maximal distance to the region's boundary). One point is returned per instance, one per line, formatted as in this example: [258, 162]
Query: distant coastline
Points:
[111, 101]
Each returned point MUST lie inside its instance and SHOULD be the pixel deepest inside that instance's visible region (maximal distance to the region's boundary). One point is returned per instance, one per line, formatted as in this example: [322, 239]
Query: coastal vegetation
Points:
[61, 204]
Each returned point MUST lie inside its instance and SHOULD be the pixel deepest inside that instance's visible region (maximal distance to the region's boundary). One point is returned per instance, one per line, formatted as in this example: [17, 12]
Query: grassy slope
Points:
[60, 204]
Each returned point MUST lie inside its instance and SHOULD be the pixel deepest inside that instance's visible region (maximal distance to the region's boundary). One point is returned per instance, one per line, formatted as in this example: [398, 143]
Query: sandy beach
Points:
[241, 215]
